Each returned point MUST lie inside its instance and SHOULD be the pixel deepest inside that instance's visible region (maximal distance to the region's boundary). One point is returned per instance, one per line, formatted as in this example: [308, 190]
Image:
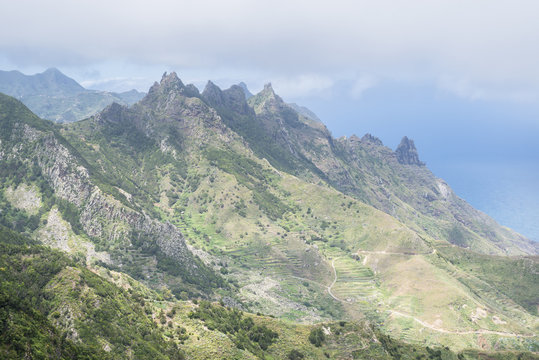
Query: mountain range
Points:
[188, 213]
[54, 96]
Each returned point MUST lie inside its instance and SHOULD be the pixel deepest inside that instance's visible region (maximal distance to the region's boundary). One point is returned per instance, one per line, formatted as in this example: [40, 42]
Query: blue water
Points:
[508, 191]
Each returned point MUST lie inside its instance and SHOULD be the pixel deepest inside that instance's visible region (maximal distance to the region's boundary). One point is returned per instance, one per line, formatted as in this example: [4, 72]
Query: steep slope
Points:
[297, 249]
[177, 163]
[80, 211]
[397, 183]
[54, 308]
[54, 96]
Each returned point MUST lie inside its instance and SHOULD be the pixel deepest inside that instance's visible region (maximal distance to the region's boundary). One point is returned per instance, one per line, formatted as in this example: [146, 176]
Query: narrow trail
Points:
[421, 322]
[383, 252]
[467, 332]
[334, 281]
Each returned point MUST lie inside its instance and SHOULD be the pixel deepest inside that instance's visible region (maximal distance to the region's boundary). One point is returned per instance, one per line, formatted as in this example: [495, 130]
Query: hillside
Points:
[251, 203]
[54, 96]
[54, 307]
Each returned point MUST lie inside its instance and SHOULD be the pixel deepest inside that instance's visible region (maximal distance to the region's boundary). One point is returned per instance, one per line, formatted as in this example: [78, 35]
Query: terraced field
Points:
[355, 283]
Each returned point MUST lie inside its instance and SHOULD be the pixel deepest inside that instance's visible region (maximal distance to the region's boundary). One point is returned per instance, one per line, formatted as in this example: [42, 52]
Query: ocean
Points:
[508, 191]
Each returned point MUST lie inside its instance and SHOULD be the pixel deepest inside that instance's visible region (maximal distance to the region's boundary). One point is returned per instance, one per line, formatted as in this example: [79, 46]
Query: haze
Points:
[459, 77]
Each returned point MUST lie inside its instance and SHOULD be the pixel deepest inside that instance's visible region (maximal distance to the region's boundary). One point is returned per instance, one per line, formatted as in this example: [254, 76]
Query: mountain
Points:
[249, 203]
[54, 96]
[394, 182]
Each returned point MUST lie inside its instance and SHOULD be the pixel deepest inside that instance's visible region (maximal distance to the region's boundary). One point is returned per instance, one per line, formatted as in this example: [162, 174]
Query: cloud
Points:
[362, 84]
[304, 85]
[117, 84]
[491, 44]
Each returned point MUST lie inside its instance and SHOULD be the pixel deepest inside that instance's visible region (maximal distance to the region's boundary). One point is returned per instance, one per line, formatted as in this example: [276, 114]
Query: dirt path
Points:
[467, 332]
[334, 281]
[383, 252]
[421, 322]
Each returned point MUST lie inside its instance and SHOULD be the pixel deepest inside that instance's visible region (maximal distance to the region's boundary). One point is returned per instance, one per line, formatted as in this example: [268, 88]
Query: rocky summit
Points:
[223, 225]
[407, 153]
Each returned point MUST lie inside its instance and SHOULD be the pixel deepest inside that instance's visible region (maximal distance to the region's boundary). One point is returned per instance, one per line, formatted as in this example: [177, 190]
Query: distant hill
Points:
[55, 96]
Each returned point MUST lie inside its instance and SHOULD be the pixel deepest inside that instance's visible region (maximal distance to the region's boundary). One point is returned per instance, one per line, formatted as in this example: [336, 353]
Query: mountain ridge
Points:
[55, 96]
[271, 221]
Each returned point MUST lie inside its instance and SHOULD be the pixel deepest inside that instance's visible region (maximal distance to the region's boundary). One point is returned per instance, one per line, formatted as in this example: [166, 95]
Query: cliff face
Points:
[106, 217]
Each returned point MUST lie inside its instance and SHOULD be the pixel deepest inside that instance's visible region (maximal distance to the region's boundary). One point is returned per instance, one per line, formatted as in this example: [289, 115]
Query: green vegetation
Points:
[294, 247]
[242, 330]
[50, 306]
[514, 277]
[317, 337]
[251, 175]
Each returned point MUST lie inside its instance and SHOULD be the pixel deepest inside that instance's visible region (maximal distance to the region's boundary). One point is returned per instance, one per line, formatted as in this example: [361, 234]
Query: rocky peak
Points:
[167, 90]
[191, 90]
[245, 90]
[407, 153]
[368, 138]
[268, 90]
[235, 99]
[112, 113]
[267, 99]
[169, 83]
[213, 94]
[354, 139]
[232, 98]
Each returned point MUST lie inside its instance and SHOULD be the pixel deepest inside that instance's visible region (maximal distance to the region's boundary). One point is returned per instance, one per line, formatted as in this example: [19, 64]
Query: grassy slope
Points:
[276, 237]
[56, 307]
[281, 257]
[53, 307]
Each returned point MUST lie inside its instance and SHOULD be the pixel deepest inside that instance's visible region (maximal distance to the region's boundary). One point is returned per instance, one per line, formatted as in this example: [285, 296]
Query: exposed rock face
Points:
[103, 217]
[407, 153]
[231, 99]
[368, 138]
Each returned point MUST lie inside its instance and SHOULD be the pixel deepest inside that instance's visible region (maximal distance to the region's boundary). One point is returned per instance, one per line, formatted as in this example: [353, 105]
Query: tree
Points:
[317, 337]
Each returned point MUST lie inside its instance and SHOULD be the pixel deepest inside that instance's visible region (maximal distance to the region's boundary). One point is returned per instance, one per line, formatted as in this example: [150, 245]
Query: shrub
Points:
[317, 337]
[295, 355]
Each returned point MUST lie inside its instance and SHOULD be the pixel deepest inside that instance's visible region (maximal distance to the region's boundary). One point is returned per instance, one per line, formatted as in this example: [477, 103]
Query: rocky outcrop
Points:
[370, 139]
[407, 153]
[245, 90]
[104, 218]
[232, 99]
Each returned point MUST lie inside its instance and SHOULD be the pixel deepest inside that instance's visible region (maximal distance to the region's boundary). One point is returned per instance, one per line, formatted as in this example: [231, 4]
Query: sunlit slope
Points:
[288, 245]
[297, 249]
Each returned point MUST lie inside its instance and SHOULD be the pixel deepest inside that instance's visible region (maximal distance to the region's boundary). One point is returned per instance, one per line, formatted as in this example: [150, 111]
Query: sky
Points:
[459, 77]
